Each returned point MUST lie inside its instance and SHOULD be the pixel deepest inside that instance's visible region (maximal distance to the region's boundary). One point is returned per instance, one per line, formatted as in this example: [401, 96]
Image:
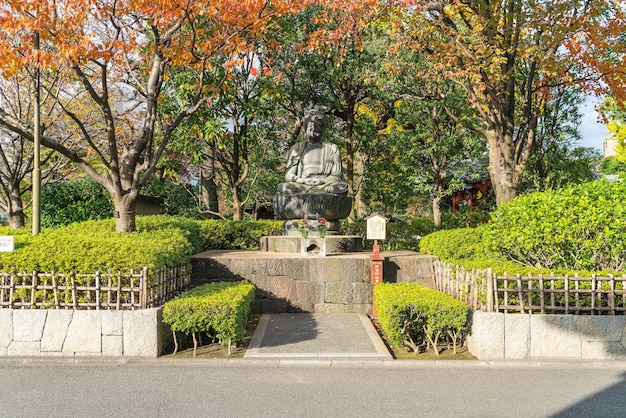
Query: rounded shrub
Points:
[580, 227]
[68, 201]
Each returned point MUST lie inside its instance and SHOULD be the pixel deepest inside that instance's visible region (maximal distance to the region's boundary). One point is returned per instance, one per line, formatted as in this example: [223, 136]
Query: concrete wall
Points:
[40, 332]
[498, 336]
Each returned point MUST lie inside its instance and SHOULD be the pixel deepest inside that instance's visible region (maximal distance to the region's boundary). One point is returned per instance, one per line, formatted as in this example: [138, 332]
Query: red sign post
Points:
[377, 274]
[376, 229]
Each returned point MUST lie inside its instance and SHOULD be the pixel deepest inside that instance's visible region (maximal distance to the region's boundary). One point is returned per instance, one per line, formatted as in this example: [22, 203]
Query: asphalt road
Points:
[269, 389]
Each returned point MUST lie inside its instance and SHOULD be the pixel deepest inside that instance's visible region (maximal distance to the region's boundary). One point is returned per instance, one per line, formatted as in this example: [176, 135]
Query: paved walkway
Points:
[316, 336]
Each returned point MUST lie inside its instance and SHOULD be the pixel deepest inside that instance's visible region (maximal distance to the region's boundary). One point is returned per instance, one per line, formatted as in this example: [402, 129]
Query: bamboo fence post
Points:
[541, 295]
[520, 293]
[530, 293]
[490, 291]
[144, 287]
[593, 294]
[33, 289]
[74, 301]
[611, 295]
[11, 290]
[119, 291]
[97, 290]
[132, 292]
[55, 291]
[566, 293]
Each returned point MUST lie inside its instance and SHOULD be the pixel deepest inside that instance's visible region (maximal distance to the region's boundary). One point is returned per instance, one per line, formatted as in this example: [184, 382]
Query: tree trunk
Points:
[125, 212]
[209, 187]
[238, 205]
[15, 214]
[360, 203]
[437, 213]
[502, 166]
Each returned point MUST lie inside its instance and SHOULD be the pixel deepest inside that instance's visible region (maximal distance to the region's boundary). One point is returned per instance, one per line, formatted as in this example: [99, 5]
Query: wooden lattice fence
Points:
[485, 291]
[136, 289]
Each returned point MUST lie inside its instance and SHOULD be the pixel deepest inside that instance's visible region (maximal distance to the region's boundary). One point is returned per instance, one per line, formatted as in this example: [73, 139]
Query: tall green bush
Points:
[580, 227]
[68, 201]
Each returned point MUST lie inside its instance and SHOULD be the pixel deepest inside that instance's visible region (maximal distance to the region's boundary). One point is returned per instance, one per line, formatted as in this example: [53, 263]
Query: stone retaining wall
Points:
[498, 336]
[289, 282]
[40, 332]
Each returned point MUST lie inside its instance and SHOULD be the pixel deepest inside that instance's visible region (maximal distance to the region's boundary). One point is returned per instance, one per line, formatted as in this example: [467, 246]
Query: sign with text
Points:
[7, 243]
[376, 227]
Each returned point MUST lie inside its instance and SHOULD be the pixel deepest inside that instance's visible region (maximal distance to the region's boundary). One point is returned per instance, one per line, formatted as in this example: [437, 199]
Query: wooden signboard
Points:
[376, 227]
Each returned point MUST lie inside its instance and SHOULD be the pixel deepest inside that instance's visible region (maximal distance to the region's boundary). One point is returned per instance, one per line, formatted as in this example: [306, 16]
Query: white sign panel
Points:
[6, 243]
[376, 227]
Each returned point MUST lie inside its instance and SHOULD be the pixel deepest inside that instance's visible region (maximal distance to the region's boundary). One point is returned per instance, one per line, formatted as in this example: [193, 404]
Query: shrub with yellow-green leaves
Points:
[415, 317]
[219, 309]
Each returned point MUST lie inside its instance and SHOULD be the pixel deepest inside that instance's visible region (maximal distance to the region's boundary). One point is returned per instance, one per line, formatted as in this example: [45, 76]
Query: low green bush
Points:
[219, 309]
[413, 316]
[458, 245]
[580, 227]
[230, 235]
[86, 247]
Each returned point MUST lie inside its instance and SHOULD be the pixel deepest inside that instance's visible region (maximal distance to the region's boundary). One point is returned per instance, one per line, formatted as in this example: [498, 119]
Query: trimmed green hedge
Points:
[95, 245]
[414, 316]
[236, 235]
[219, 309]
[580, 227]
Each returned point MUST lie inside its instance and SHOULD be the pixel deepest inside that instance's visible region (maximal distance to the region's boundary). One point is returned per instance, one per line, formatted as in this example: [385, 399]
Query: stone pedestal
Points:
[332, 244]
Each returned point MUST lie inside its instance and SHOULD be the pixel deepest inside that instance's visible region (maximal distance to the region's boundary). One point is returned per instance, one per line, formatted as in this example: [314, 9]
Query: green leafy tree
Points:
[555, 160]
[509, 56]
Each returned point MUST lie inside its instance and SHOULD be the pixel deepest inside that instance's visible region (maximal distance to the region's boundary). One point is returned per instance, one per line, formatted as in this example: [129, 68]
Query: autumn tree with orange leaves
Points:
[510, 55]
[112, 59]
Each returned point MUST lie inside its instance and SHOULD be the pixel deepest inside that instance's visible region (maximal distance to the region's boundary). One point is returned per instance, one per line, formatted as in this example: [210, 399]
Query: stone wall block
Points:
[486, 341]
[296, 268]
[6, 328]
[360, 308]
[516, 336]
[310, 292]
[112, 322]
[242, 268]
[55, 330]
[274, 267]
[330, 308]
[112, 345]
[84, 334]
[140, 333]
[362, 294]
[28, 324]
[282, 287]
[24, 349]
[327, 269]
[603, 350]
[338, 292]
[600, 328]
[554, 336]
[353, 270]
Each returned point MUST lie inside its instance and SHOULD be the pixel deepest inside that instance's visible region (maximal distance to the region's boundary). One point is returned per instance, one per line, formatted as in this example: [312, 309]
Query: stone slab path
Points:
[315, 335]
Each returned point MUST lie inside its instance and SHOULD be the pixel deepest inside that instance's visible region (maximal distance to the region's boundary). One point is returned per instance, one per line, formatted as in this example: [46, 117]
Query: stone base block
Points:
[334, 244]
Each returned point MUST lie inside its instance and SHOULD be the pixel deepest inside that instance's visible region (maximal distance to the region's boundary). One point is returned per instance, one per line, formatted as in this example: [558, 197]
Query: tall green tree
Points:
[509, 56]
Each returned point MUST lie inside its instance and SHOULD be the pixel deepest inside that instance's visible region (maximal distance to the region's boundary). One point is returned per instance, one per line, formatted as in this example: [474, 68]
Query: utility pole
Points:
[37, 140]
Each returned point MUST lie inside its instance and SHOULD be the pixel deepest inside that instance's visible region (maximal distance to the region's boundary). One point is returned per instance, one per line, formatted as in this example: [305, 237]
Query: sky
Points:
[593, 132]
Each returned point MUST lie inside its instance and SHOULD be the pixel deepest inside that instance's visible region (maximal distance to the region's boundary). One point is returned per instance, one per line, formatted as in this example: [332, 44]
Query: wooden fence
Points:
[137, 289]
[485, 291]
